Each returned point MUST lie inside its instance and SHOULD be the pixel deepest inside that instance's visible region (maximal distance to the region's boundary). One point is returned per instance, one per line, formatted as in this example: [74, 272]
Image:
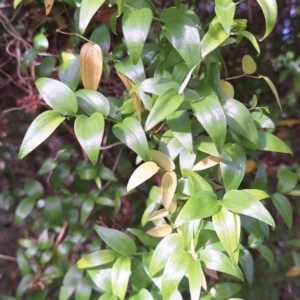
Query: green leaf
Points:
[147, 240]
[34, 189]
[218, 261]
[224, 291]
[261, 180]
[40, 42]
[16, 3]
[48, 165]
[248, 35]
[117, 240]
[89, 132]
[53, 210]
[284, 207]
[69, 73]
[101, 278]
[273, 89]
[120, 4]
[136, 24]
[269, 8]
[267, 254]
[210, 114]
[180, 124]
[120, 276]
[132, 134]
[287, 181]
[200, 205]
[23, 264]
[233, 171]
[142, 294]
[28, 58]
[24, 208]
[139, 277]
[83, 290]
[248, 64]
[225, 15]
[268, 142]
[213, 38]
[175, 269]
[164, 105]
[262, 121]
[163, 251]
[247, 265]
[101, 37]
[240, 120]
[228, 229]
[97, 258]
[195, 276]
[46, 67]
[246, 204]
[184, 36]
[39, 130]
[86, 209]
[57, 95]
[92, 101]
[87, 10]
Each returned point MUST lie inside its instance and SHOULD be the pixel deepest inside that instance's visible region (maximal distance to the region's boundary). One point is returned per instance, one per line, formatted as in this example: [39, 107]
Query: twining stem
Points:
[244, 75]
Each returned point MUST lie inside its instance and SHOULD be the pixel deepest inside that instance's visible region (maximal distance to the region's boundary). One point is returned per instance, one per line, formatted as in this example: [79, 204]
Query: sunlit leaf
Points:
[248, 64]
[227, 88]
[225, 14]
[162, 160]
[97, 258]
[195, 276]
[273, 89]
[248, 35]
[168, 186]
[160, 230]
[206, 163]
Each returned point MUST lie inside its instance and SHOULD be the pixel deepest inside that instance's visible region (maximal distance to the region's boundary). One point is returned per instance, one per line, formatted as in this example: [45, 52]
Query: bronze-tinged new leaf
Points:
[48, 6]
[162, 160]
[160, 231]
[206, 163]
[91, 65]
[135, 96]
[168, 185]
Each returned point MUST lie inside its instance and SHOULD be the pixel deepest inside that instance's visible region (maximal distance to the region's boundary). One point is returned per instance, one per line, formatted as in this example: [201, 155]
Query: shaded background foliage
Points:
[19, 104]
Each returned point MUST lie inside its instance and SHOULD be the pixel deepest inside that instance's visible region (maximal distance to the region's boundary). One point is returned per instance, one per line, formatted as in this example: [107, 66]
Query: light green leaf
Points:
[136, 24]
[16, 3]
[247, 265]
[163, 251]
[246, 204]
[269, 142]
[262, 121]
[213, 38]
[87, 10]
[23, 209]
[195, 276]
[175, 269]
[143, 294]
[40, 42]
[287, 181]
[228, 229]
[184, 37]
[39, 130]
[28, 58]
[164, 105]
[117, 240]
[120, 276]
[218, 261]
[86, 209]
[225, 15]
[269, 8]
[224, 291]
[233, 171]
[57, 95]
[131, 133]
[239, 119]
[267, 254]
[120, 4]
[108, 297]
[284, 207]
[69, 73]
[147, 240]
[92, 101]
[273, 89]
[101, 278]
[200, 205]
[83, 290]
[210, 114]
[89, 132]
[248, 64]
[101, 37]
[258, 194]
[248, 35]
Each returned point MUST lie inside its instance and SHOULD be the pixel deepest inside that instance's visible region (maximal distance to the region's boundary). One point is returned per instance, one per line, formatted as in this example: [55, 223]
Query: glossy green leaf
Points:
[108, 297]
[261, 180]
[147, 240]
[28, 58]
[247, 265]
[164, 105]
[83, 290]
[142, 294]
[101, 278]
[228, 229]
[117, 240]
[176, 267]
[131, 133]
[225, 14]
[162, 252]
[210, 114]
[34, 189]
[86, 209]
[273, 89]
[287, 181]
[284, 207]
[136, 24]
[101, 36]
[53, 210]
[57, 95]
[87, 10]
[213, 38]
[39, 130]
[180, 124]
[89, 132]
[269, 142]
[46, 67]
[267, 254]
[40, 42]
[262, 121]
[248, 35]
[258, 194]
[69, 73]
[139, 276]
[224, 291]
[184, 37]
[200, 205]
[92, 101]
[97, 258]
[218, 261]
[120, 276]
[269, 8]
[246, 204]
[195, 276]
[233, 171]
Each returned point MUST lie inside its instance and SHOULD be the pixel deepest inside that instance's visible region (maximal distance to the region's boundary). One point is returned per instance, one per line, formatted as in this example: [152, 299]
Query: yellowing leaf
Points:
[48, 6]
[206, 163]
[227, 88]
[161, 213]
[248, 64]
[135, 96]
[160, 231]
[168, 185]
[250, 166]
[293, 272]
[91, 64]
[173, 205]
[288, 122]
[162, 160]
[141, 174]
[258, 194]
